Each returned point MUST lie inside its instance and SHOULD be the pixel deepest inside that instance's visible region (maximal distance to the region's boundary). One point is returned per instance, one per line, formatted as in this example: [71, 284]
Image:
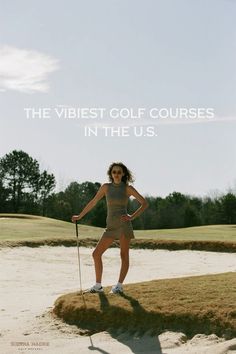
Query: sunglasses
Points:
[114, 172]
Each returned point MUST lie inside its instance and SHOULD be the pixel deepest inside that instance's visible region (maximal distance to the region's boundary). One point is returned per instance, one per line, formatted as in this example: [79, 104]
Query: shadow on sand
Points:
[135, 340]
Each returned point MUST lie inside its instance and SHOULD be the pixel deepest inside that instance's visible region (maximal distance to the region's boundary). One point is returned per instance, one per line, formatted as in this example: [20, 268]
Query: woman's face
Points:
[117, 173]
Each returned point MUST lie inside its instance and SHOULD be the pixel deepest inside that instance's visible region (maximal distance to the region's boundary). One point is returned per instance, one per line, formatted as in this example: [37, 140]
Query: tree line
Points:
[25, 189]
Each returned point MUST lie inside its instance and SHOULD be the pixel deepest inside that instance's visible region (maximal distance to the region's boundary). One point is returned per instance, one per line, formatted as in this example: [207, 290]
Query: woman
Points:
[118, 222]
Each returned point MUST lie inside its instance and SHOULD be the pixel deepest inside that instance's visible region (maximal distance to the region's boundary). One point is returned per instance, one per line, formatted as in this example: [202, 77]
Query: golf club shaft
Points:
[77, 236]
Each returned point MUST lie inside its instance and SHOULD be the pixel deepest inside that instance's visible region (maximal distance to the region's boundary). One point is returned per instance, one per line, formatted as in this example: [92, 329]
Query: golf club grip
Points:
[76, 226]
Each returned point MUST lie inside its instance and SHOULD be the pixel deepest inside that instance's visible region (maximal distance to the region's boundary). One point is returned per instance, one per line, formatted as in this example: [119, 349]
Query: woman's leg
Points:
[124, 254]
[101, 247]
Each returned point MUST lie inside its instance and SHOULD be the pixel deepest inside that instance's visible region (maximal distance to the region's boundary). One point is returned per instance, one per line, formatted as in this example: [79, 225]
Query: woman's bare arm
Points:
[99, 195]
[144, 204]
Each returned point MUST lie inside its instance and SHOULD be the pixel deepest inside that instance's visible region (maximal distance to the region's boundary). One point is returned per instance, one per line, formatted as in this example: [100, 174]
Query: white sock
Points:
[98, 285]
[119, 285]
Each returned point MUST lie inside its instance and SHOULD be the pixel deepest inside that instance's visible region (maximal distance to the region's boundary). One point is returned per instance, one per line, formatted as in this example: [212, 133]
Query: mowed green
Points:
[23, 229]
[195, 233]
[20, 227]
[199, 304]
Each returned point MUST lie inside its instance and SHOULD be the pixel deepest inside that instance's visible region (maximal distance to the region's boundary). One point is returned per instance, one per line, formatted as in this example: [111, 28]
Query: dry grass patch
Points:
[199, 304]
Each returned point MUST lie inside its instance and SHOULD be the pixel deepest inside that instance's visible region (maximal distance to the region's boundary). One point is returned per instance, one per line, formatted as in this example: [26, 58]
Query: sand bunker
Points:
[32, 278]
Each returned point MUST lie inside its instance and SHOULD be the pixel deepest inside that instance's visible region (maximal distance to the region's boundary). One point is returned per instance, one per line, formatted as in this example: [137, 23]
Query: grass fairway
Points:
[199, 304]
[30, 230]
[23, 227]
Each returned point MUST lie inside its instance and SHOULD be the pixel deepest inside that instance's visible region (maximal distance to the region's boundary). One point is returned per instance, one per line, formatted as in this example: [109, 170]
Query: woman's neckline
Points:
[117, 184]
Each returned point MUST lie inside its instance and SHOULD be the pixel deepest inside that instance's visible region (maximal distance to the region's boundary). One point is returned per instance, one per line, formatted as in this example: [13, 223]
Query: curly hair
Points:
[128, 176]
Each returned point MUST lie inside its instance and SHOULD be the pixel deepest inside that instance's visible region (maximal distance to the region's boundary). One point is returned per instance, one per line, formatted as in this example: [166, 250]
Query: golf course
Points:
[33, 231]
[187, 304]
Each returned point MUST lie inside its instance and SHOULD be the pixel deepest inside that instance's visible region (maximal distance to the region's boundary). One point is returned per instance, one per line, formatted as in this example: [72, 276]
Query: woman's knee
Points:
[102, 246]
[96, 254]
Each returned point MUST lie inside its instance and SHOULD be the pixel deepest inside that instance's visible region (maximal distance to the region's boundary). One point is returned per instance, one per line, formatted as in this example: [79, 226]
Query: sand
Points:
[33, 278]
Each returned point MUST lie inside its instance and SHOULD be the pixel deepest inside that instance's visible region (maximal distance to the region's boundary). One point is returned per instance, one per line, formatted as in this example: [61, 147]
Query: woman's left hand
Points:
[126, 217]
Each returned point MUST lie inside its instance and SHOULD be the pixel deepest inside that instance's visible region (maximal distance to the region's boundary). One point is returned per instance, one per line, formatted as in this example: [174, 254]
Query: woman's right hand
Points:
[75, 218]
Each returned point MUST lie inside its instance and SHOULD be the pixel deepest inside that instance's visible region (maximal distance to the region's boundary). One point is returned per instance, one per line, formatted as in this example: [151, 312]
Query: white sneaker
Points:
[94, 289]
[116, 289]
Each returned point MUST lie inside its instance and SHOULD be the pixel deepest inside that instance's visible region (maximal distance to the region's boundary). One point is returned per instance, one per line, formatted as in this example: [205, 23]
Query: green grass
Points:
[198, 233]
[18, 227]
[30, 230]
[199, 304]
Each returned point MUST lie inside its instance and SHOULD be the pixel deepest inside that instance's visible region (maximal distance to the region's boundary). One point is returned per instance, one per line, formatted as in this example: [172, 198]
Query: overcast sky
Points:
[167, 55]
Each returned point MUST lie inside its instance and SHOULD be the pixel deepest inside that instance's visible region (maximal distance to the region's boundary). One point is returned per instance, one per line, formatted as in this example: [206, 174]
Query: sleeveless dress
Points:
[117, 200]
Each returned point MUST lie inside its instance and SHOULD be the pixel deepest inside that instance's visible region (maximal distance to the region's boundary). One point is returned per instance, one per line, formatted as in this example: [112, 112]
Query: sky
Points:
[131, 74]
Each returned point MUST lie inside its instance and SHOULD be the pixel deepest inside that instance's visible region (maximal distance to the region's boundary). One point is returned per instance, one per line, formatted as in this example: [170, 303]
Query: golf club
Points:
[77, 237]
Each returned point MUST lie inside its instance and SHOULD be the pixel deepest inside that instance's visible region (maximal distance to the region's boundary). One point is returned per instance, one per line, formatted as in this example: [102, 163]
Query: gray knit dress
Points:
[117, 200]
